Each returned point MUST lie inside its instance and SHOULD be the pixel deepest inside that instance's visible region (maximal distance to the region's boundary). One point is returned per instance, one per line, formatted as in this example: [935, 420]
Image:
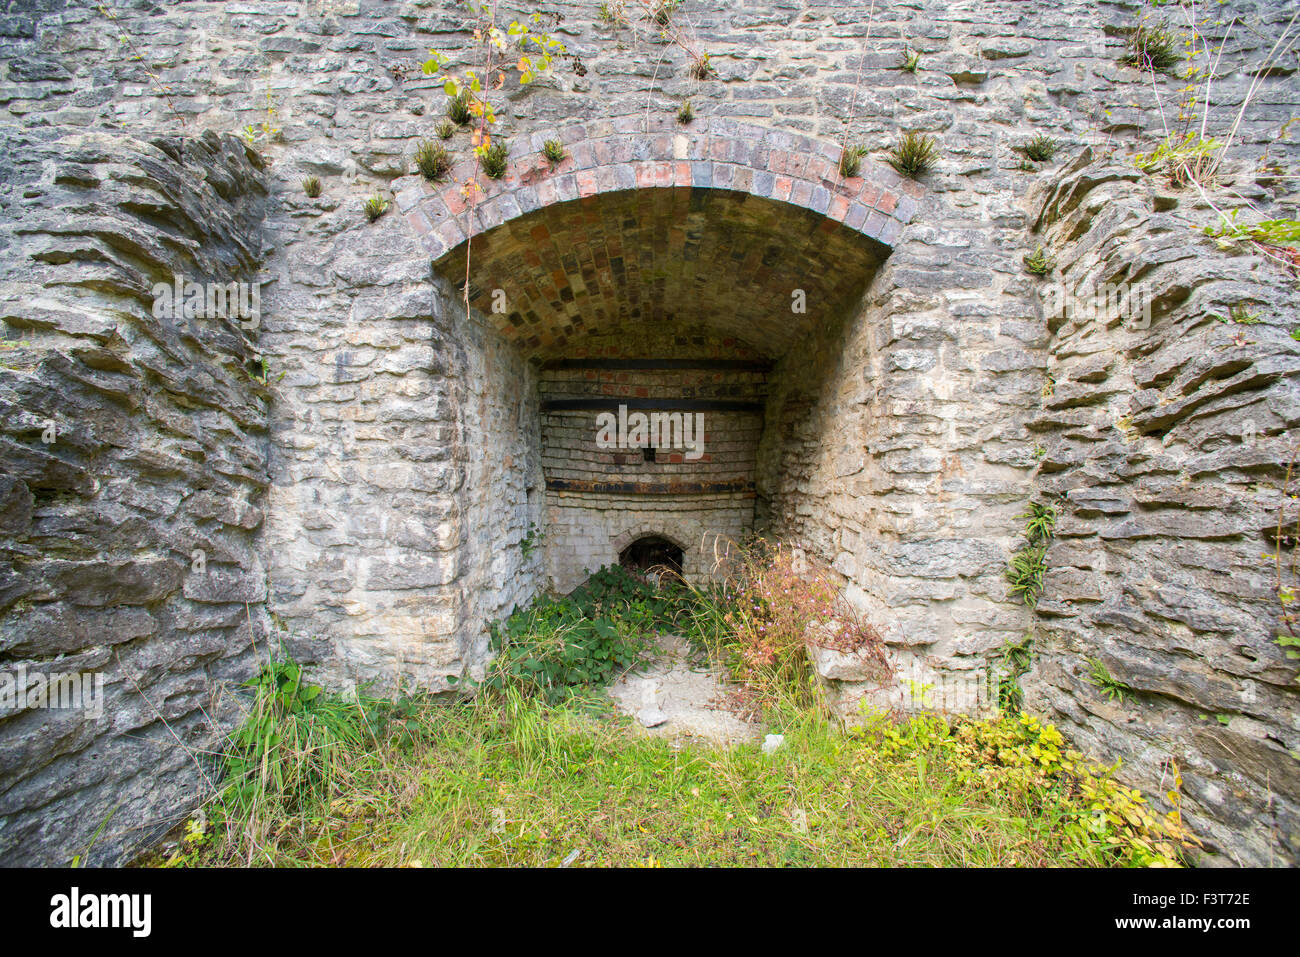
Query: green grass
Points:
[823, 799]
[539, 767]
[510, 781]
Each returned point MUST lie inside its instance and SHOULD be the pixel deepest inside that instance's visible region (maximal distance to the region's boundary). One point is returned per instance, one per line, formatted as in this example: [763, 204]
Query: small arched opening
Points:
[653, 554]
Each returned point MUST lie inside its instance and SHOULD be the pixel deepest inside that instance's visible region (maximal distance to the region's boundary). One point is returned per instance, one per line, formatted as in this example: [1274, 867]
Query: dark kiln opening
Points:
[652, 553]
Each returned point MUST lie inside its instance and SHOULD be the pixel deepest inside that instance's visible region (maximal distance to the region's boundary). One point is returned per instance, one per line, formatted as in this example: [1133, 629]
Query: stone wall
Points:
[901, 427]
[134, 466]
[406, 448]
[504, 488]
[1164, 441]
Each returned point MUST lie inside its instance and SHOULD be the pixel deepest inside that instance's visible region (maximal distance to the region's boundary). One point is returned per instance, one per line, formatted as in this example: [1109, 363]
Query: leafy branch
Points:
[532, 52]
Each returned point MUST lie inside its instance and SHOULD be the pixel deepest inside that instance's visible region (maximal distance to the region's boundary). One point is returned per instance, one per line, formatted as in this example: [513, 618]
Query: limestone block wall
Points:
[505, 493]
[406, 452]
[133, 467]
[1165, 441]
[895, 445]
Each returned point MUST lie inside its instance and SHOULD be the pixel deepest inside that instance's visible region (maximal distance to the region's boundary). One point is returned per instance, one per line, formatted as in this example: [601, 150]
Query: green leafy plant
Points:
[686, 113]
[1026, 573]
[446, 129]
[259, 370]
[294, 747]
[851, 161]
[532, 540]
[266, 131]
[557, 645]
[700, 68]
[1111, 687]
[1184, 160]
[913, 155]
[375, 207]
[614, 12]
[1041, 522]
[1039, 263]
[1016, 657]
[432, 160]
[1270, 232]
[1040, 149]
[311, 186]
[1025, 752]
[1028, 565]
[1238, 315]
[1277, 239]
[494, 160]
[911, 60]
[1152, 47]
[554, 152]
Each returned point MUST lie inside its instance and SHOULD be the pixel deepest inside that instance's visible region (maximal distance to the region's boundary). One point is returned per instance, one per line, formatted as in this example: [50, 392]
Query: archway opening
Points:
[677, 334]
[653, 555]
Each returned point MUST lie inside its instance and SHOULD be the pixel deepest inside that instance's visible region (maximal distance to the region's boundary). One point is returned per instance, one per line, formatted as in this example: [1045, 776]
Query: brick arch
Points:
[649, 530]
[632, 152]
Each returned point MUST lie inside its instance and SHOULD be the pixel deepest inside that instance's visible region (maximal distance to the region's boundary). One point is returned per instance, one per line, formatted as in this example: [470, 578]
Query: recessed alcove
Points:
[656, 325]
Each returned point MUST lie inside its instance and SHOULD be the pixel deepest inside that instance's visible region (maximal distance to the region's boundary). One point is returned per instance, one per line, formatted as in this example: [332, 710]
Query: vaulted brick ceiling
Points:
[664, 259]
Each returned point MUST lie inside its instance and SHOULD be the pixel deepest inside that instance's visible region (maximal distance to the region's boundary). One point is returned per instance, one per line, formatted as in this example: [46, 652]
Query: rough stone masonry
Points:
[370, 472]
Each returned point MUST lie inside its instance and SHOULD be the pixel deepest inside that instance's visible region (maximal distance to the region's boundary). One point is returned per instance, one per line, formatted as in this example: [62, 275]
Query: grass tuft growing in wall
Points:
[1152, 47]
[494, 159]
[375, 207]
[458, 110]
[1040, 149]
[553, 151]
[914, 155]
[851, 161]
[433, 161]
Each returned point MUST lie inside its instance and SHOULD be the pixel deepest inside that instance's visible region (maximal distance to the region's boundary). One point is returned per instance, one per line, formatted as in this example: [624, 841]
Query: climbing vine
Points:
[522, 47]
